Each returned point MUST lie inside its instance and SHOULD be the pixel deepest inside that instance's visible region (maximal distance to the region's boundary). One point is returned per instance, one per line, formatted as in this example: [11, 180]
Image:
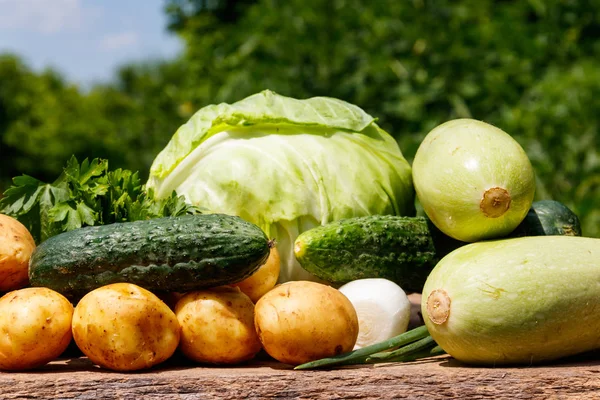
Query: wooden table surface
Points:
[435, 378]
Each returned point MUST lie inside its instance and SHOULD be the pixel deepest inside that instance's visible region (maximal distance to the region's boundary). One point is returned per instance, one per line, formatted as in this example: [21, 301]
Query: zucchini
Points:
[403, 249]
[175, 254]
[474, 181]
[516, 301]
[549, 217]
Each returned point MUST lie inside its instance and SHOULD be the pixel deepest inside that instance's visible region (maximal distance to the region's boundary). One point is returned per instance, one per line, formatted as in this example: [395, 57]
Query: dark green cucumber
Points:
[165, 254]
[549, 217]
[402, 249]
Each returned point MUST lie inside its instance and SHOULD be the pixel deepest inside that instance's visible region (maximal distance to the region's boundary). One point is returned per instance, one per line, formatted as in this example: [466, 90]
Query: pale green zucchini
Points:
[516, 301]
[473, 180]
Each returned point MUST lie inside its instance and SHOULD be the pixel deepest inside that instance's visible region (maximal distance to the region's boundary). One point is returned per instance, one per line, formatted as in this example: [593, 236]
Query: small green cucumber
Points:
[401, 249]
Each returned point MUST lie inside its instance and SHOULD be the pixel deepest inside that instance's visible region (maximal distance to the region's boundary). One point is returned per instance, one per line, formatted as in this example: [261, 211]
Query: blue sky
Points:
[85, 40]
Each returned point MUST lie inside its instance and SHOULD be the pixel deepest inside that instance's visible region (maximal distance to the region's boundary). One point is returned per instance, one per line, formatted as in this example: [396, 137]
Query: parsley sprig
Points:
[83, 195]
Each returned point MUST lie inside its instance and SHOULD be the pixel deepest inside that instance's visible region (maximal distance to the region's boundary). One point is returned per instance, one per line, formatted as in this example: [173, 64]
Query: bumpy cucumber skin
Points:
[165, 254]
[549, 217]
[401, 249]
[518, 301]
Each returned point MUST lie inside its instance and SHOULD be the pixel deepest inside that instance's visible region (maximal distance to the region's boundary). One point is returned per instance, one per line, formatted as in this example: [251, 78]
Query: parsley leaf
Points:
[83, 195]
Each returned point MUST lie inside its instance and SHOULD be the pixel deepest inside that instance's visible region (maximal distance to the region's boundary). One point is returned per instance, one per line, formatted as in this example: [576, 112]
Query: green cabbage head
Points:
[286, 165]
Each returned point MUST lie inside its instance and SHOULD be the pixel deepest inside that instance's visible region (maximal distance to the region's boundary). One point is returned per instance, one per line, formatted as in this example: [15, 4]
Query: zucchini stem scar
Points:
[438, 306]
[495, 202]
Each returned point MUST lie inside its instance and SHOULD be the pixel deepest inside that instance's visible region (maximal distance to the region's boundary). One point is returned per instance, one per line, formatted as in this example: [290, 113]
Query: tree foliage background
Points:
[528, 67]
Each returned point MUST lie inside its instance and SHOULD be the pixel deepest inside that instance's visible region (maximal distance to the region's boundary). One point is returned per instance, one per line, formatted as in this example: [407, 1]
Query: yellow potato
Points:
[263, 279]
[35, 327]
[124, 327]
[217, 326]
[302, 321]
[16, 246]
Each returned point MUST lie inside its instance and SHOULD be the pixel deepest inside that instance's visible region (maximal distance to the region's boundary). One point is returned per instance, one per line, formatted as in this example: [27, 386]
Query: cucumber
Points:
[403, 249]
[174, 254]
[516, 301]
[549, 217]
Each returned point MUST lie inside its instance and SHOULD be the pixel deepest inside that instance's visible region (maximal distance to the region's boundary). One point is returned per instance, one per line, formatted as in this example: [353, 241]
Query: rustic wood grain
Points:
[436, 378]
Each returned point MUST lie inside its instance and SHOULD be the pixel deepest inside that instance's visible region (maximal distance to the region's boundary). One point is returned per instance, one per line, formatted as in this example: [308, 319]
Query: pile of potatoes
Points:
[124, 327]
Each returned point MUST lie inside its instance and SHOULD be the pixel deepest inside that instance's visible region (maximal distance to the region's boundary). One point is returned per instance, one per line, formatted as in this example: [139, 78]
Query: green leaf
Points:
[85, 214]
[60, 211]
[265, 107]
[30, 201]
[73, 215]
[92, 169]
[22, 196]
[81, 174]
[50, 196]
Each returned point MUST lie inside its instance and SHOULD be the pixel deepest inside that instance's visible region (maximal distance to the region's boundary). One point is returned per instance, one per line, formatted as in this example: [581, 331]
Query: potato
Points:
[217, 326]
[16, 246]
[35, 327]
[302, 321]
[263, 279]
[124, 327]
